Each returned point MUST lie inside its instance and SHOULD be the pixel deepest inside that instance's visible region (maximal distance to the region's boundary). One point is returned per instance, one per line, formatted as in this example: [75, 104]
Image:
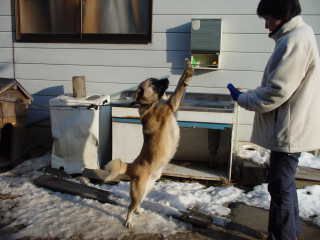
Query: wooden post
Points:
[79, 86]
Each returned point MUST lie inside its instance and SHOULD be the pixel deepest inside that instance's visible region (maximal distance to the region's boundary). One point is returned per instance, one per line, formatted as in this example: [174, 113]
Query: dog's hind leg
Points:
[149, 185]
[137, 193]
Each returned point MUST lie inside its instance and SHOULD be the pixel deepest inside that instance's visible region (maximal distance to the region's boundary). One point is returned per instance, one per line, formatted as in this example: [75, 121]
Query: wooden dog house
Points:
[14, 102]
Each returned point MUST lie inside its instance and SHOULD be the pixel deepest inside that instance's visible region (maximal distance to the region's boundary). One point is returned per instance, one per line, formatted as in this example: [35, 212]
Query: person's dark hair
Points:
[279, 9]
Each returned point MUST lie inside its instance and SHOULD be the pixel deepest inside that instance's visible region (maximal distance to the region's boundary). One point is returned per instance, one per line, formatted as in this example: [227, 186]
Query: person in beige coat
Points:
[287, 108]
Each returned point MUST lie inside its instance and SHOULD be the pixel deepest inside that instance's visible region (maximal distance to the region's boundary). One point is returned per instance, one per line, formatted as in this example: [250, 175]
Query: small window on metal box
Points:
[109, 21]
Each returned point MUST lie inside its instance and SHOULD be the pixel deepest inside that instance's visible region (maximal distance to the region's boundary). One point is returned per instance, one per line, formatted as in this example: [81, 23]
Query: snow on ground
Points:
[52, 214]
[308, 198]
[254, 153]
[261, 156]
[309, 160]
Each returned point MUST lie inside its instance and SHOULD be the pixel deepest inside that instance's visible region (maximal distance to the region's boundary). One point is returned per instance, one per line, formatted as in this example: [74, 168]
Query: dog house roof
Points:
[8, 83]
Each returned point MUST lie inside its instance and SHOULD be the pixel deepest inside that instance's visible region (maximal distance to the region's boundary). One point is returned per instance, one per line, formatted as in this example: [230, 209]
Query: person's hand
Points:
[234, 92]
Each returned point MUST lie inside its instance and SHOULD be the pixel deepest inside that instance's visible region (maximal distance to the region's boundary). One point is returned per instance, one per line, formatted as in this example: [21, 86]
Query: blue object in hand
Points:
[233, 91]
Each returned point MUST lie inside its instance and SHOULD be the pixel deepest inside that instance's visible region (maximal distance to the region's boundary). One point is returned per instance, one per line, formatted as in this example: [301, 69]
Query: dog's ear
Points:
[161, 86]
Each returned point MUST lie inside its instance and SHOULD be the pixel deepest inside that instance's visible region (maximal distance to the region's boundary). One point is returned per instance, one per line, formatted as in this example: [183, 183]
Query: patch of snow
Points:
[308, 198]
[309, 204]
[261, 156]
[255, 154]
[309, 160]
[258, 197]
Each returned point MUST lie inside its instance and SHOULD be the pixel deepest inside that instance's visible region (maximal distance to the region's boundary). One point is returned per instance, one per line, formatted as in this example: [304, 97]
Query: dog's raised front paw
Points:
[188, 68]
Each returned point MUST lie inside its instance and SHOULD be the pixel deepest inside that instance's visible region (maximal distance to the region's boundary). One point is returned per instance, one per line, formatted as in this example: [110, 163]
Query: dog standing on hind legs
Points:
[160, 137]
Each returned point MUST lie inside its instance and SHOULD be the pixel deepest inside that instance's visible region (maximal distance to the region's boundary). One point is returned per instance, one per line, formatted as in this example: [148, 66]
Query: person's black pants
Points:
[284, 210]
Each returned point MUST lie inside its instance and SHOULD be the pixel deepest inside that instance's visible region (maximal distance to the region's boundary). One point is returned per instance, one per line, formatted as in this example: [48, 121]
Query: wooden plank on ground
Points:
[96, 174]
[171, 170]
[309, 174]
[204, 220]
[57, 172]
[100, 175]
[192, 172]
[64, 186]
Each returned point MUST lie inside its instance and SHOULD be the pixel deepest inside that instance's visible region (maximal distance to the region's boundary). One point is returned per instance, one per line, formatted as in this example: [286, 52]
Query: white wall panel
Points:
[55, 88]
[6, 52]
[221, 6]
[230, 23]
[310, 7]
[205, 6]
[119, 75]
[244, 133]
[172, 41]
[92, 73]
[5, 7]
[6, 39]
[5, 55]
[5, 24]
[245, 117]
[167, 41]
[135, 58]
[160, 41]
[6, 70]
[138, 58]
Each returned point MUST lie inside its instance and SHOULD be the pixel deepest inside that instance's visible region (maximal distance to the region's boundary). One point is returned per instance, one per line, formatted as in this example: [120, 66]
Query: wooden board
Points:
[73, 188]
[96, 174]
[192, 172]
[100, 175]
[57, 172]
[171, 170]
[309, 174]
[175, 170]
[201, 219]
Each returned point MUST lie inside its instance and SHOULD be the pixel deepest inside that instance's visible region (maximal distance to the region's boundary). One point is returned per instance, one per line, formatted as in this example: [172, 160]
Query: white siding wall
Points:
[6, 51]
[45, 69]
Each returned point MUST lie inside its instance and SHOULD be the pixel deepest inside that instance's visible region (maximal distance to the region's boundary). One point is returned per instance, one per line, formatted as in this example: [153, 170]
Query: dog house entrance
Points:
[6, 143]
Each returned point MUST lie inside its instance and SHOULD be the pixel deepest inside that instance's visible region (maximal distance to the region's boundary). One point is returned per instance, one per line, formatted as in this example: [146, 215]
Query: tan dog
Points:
[161, 136]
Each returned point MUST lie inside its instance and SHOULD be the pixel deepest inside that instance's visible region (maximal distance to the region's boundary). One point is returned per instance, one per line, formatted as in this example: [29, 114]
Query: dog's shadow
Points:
[82, 202]
[150, 203]
[120, 195]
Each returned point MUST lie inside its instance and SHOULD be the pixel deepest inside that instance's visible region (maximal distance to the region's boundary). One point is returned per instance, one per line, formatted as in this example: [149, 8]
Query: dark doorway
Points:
[6, 142]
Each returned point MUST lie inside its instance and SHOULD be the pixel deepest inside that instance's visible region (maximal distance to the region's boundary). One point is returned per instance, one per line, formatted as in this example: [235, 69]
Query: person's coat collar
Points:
[287, 27]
